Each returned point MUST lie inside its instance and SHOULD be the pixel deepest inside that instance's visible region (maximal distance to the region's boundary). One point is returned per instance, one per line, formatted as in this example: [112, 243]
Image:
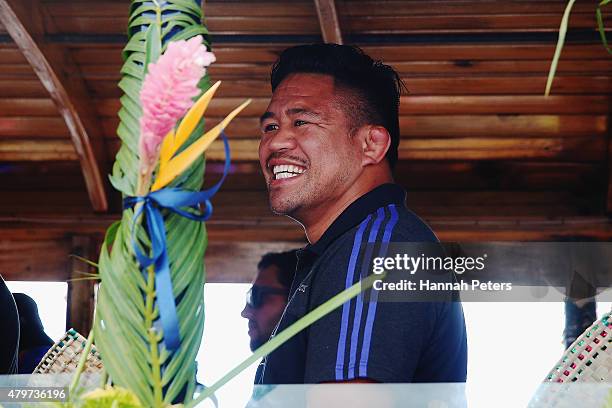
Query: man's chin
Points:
[281, 207]
[256, 343]
[279, 210]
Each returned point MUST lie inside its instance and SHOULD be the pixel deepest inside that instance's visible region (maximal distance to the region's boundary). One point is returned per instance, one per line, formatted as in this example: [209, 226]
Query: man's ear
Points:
[375, 143]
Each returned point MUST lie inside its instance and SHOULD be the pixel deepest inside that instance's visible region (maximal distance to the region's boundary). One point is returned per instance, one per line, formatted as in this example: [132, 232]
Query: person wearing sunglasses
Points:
[267, 298]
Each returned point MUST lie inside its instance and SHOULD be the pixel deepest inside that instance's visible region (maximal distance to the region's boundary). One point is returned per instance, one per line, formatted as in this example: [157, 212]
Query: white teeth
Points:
[284, 171]
[285, 175]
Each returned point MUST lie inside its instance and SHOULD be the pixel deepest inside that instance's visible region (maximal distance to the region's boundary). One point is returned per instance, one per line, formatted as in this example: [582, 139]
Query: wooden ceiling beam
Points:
[276, 229]
[587, 148]
[61, 78]
[328, 21]
[38, 249]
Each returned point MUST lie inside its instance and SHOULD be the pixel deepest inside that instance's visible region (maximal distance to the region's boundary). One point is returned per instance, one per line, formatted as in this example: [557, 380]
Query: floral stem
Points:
[144, 180]
[152, 337]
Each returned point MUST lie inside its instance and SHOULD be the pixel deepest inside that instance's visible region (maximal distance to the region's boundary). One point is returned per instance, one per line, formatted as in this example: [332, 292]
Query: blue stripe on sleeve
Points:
[347, 305]
[380, 215]
[365, 349]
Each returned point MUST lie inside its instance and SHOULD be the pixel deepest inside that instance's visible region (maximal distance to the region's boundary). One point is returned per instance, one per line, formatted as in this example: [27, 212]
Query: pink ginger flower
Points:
[167, 93]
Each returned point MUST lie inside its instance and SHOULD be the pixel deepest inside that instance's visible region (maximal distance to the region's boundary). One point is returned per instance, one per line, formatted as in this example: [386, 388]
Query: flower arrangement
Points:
[150, 310]
[167, 93]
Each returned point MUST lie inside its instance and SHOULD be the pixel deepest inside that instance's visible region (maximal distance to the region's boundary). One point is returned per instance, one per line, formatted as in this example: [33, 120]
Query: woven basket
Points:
[64, 356]
[589, 358]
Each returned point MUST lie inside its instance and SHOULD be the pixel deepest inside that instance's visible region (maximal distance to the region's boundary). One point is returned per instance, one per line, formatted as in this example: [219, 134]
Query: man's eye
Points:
[270, 127]
[299, 122]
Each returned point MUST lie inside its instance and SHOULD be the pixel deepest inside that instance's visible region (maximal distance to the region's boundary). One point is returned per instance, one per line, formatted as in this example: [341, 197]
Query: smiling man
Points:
[329, 142]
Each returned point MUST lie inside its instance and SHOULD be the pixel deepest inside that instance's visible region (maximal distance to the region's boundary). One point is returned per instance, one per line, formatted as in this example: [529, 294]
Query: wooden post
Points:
[81, 292]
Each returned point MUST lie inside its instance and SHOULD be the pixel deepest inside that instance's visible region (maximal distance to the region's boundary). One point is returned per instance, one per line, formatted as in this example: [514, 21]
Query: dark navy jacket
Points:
[366, 338]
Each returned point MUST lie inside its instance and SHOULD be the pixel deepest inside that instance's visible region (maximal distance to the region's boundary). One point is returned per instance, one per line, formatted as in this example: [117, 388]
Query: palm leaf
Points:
[600, 24]
[559, 47]
[127, 331]
[280, 338]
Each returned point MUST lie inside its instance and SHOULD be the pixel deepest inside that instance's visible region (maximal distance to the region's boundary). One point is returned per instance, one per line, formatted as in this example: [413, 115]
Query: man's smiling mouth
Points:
[285, 171]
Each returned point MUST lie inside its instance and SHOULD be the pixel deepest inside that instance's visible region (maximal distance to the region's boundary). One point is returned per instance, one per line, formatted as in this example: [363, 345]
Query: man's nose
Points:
[282, 140]
[247, 312]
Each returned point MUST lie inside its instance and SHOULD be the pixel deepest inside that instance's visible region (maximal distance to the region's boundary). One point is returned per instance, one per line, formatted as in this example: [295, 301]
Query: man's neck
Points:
[319, 219]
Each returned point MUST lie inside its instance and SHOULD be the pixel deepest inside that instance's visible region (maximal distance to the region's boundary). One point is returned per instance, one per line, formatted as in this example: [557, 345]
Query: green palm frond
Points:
[279, 339]
[600, 24]
[563, 32]
[559, 47]
[126, 330]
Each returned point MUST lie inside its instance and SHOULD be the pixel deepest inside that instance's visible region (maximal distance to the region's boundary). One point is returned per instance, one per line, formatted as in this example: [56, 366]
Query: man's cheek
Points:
[262, 155]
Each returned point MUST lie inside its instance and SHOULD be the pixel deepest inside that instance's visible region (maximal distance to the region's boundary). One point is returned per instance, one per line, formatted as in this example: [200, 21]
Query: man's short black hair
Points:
[376, 86]
[286, 263]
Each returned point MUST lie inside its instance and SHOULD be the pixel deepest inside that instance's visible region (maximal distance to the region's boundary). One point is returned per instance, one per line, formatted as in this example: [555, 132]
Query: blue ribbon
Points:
[172, 199]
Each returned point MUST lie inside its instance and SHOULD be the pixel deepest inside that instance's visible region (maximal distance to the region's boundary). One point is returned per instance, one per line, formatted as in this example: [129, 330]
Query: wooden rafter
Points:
[328, 20]
[61, 78]
[52, 229]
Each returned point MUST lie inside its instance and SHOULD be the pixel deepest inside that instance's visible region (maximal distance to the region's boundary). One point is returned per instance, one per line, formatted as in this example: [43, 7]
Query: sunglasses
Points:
[255, 296]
